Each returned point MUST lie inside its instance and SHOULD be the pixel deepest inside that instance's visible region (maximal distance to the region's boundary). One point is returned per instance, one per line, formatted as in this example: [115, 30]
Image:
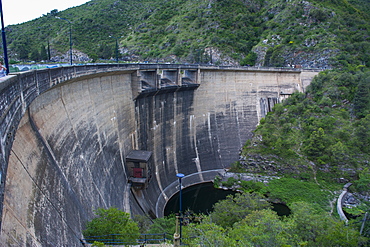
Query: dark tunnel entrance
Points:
[198, 198]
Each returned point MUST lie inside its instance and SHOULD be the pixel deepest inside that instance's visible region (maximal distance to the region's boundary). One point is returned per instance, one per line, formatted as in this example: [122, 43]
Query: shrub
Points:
[111, 225]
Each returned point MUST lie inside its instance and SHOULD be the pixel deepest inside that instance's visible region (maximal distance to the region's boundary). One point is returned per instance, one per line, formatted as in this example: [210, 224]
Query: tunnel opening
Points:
[200, 198]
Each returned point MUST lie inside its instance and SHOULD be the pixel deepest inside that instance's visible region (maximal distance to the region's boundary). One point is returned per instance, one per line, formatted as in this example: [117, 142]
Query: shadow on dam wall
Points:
[71, 148]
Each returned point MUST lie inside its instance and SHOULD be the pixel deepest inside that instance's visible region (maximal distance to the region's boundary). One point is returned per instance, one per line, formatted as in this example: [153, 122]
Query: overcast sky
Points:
[19, 11]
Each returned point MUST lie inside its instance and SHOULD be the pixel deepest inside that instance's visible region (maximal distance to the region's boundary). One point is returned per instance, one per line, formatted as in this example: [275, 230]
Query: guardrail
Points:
[115, 239]
[15, 68]
[342, 216]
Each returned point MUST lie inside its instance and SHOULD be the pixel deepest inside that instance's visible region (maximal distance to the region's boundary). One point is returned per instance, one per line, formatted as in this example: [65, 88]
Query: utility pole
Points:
[70, 37]
[6, 62]
[180, 176]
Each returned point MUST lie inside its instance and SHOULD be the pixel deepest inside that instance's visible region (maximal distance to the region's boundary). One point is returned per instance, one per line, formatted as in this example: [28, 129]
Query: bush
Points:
[235, 208]
[237, 167]
[363, 183]
[249, 60]
[288, 190]
[111, 226]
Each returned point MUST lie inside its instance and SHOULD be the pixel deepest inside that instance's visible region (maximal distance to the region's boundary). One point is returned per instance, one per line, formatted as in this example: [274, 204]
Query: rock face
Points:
[68, 155]
[77, 56]
[269, 165]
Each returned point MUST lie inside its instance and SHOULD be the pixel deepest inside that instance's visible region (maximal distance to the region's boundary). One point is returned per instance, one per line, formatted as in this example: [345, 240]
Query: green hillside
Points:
[324, 132]
[235, 32]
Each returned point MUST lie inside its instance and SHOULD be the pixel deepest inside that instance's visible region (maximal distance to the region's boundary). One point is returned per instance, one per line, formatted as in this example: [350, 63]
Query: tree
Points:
[43, 53]
[163, 225]
[22, 47]
[274, 56]
[209, 234]
[263, 228]
[235, 208]
[250, 59]
[34, 55]
[309, 221]
[318, 14]
[339, 153]
[111, 225]
[54, 12]
[338, 234]
[318, 228]
[361, 98]
[363, 182]
[105, 51]
[315, 144]
[362, 134]
[143, 222]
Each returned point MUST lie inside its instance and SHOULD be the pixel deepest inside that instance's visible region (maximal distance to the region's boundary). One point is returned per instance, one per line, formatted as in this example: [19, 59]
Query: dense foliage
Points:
[265, 228]
[317, 140]
[233, 208]
[312, 33]
[325, 130]
[247, 220]
[111, 226]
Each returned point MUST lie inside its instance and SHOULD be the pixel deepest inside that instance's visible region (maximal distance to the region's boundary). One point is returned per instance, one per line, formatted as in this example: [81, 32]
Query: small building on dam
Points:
[78, 138]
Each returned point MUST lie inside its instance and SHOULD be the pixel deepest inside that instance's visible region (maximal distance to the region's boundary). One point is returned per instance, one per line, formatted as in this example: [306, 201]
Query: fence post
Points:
[176, 236]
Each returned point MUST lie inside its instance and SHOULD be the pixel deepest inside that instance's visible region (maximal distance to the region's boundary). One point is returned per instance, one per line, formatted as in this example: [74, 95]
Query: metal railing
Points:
[121, 239]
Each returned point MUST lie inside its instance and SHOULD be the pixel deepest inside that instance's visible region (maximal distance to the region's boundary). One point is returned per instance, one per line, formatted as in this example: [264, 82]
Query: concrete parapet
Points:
[342, 216]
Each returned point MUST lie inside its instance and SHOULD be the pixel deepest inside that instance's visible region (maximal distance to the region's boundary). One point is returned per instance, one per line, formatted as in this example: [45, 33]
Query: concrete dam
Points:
[74, 139]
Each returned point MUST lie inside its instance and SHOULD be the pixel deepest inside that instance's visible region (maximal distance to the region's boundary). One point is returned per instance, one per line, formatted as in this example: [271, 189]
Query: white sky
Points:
[19, 11]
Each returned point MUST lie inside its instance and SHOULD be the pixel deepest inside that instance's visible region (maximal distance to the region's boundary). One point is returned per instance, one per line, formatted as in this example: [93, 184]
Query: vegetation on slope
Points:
[306, 226]
[325, 130]
[316, 141]
[246, 32]
[247, 219]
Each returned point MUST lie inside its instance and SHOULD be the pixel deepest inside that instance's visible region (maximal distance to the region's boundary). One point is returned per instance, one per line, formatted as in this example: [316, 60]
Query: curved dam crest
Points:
[68, 135]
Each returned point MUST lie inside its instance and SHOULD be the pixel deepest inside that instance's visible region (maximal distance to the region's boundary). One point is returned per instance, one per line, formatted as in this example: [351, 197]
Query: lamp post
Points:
[180, 176]
[70, 37]
[116, 46]
[4, 40]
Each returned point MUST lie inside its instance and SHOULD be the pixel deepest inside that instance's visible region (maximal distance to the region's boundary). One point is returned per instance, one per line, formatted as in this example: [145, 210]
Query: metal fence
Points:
[121, 239]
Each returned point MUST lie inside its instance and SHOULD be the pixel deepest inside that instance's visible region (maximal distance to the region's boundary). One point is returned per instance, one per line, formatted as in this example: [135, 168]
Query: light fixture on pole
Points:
[180, 176]
[70, 37]
[6, 62]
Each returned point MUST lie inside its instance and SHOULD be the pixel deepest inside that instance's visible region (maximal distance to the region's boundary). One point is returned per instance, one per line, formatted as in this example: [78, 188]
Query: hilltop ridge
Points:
[319, 34]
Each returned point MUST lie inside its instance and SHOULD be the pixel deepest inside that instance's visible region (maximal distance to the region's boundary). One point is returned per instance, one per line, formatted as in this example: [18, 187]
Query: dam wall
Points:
[66, 143]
